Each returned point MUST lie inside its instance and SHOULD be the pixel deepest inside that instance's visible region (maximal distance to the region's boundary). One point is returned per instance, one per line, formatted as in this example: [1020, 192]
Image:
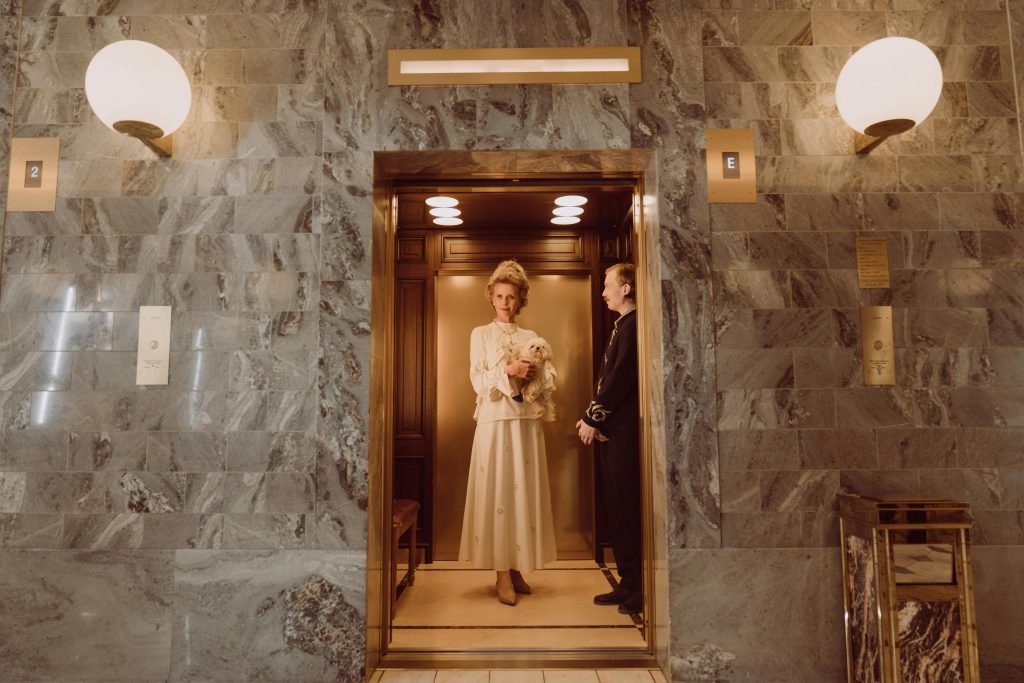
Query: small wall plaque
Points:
[32, 182]
[731, 168]
[154, 345]
[873, 262]
[879, 354]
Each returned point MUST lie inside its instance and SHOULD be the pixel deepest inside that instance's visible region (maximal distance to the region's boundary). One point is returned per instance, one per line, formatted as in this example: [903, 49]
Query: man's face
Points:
[614, 293]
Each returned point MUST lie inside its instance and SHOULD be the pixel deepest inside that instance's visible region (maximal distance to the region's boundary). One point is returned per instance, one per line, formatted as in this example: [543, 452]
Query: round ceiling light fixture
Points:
[450, 220]
[571, 200]
[442, 202]
[889, 86]
[568, 211]
[138, 89]
[445, 212]
[565, 220]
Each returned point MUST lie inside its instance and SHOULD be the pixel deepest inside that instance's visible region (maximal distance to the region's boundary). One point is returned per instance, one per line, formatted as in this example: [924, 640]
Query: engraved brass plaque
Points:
[879, 354]
[32, 181]
[873, 262]
[732, 177]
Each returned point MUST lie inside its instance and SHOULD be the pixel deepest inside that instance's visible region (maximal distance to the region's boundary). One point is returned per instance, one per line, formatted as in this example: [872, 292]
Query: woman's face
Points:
[505, 300]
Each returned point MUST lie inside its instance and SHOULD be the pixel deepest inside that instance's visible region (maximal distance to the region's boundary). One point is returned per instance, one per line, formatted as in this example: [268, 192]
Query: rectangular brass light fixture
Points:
[514, 65]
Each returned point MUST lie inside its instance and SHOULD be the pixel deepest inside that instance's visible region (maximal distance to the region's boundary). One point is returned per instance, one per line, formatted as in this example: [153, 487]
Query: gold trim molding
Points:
[487, 66]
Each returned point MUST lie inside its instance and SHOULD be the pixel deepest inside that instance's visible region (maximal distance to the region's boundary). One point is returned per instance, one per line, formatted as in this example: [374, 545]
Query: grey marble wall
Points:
[223, 506]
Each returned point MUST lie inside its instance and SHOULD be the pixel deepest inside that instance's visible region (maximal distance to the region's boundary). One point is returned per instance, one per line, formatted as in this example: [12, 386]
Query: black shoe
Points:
[616, 597]
[634, 604]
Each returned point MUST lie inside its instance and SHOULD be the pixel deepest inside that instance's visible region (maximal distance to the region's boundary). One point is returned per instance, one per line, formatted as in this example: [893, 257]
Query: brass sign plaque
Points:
[873, 262]
[879, 355]
[732, 177]
[32, 181]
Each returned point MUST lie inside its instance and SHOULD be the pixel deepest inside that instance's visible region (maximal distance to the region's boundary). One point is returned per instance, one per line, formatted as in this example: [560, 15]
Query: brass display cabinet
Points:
[907, 590]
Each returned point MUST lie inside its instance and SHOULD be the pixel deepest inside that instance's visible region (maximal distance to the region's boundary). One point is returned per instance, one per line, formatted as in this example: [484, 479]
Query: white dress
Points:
[507, 522]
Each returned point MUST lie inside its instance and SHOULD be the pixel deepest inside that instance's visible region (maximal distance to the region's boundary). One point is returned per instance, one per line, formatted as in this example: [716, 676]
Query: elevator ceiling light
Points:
[514, 65]
[565, 220]
[445, 212]
[448, 221]
[889, 86]
[571, 200]
[442, 202]
[568, 211]
[138, 89]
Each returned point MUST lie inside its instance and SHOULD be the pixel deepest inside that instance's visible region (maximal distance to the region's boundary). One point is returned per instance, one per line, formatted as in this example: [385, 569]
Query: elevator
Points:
[441, 274]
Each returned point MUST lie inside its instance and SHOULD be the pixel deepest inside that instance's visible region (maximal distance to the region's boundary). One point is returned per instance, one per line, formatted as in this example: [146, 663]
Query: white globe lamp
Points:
[138, 89]
[889, 86]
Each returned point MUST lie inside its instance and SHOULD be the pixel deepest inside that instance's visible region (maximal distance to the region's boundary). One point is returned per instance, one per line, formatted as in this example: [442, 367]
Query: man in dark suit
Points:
[613, 421]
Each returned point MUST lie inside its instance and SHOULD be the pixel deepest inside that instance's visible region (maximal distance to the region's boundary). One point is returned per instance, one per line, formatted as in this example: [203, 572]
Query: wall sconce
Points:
[138, 89]
[888, 87]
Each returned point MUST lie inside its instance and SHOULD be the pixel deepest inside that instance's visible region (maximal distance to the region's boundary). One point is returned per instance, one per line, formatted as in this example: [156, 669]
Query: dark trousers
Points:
[619, 461]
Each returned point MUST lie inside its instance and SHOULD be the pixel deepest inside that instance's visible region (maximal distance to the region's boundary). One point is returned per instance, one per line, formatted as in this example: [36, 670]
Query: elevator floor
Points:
[452, 607]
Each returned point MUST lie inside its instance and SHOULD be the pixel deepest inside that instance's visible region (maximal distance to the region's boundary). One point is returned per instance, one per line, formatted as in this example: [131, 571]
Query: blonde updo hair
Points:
[510, 273]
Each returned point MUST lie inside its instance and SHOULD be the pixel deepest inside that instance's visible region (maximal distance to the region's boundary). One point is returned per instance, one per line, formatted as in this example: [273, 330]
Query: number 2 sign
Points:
[32, 182]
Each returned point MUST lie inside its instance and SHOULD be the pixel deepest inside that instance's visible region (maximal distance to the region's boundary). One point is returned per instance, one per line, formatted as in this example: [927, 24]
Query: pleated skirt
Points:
[507, 522]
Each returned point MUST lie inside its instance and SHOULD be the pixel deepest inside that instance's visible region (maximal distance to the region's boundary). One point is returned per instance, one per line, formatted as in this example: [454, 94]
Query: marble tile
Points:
[754, 369]
[110, 610]
[269, 452]
[997, 173]
[34, 450]
[741, 64]
[268, 531]
[976, 136]
[873, 407]
[991, 448]
[767, 251]
[848, 28]
[824, 212]
[262, 604]
[998, 622]
[276, 214]
[991, 99]
[113, 450]
[766, 328]
[840, 449]
[774, 28]
[752, 289]
[830, 174]
[185, 452]
[789, 590]
[767, 215]
[30, 531]
[773, 409]
[758, 449]
[740, 491]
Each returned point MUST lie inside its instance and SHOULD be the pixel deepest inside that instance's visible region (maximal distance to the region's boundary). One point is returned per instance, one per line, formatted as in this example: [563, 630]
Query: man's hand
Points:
[589, 434]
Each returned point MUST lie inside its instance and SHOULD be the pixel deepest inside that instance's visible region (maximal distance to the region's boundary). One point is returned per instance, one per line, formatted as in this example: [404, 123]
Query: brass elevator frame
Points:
[636, 166]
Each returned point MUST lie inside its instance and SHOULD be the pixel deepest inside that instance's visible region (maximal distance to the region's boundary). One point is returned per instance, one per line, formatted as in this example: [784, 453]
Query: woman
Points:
[507, 525]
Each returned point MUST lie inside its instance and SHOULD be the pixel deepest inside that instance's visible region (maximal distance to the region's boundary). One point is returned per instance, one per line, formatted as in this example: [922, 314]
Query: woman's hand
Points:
[521, 369]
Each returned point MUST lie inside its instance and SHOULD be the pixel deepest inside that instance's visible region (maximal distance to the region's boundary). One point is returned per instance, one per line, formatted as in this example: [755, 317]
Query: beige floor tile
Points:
[497, 639]
[468, 598]
[375, 678]
[408, 677]
[624, 676]
[570, 676]
[505, 676]
[659, 677]
[462, 677]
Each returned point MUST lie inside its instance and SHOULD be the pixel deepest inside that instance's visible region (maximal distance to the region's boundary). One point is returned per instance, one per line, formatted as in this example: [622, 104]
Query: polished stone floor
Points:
[452, 607]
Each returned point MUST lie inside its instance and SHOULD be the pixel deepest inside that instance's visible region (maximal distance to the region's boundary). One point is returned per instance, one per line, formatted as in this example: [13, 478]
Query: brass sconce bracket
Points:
[877, 133]
[151, 136]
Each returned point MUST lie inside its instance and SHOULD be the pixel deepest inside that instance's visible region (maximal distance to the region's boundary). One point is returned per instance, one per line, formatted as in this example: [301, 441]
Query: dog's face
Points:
[538, 349]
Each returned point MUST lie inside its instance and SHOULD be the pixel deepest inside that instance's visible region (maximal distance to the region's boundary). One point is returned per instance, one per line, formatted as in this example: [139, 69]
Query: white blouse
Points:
[490, 350]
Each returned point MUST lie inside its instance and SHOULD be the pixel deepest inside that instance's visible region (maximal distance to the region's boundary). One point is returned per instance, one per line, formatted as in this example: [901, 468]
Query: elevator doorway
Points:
[404, 396]
[442, 272]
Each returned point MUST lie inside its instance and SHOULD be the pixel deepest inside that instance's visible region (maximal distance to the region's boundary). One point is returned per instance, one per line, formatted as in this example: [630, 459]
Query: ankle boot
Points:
[506, 593]
[519, 583]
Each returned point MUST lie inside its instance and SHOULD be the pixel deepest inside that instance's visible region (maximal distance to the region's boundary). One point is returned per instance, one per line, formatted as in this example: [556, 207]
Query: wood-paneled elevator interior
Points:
[441, 274]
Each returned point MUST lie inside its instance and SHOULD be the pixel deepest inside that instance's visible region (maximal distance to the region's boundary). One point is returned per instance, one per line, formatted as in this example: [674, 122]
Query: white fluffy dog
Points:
[541, 388]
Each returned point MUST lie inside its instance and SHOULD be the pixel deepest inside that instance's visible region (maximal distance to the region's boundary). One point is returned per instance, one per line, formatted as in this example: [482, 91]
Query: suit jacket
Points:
[616, 404]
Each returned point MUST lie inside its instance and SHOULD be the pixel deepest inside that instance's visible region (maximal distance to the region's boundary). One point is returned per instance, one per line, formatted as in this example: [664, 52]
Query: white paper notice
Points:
[154, 344]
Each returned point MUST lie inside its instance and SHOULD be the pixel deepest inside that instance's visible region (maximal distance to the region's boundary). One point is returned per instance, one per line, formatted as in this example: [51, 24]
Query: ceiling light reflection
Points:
[565, 220]
[445, 212]
[448, 221]
[442, 202]
[568, 211]
[571, 200]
